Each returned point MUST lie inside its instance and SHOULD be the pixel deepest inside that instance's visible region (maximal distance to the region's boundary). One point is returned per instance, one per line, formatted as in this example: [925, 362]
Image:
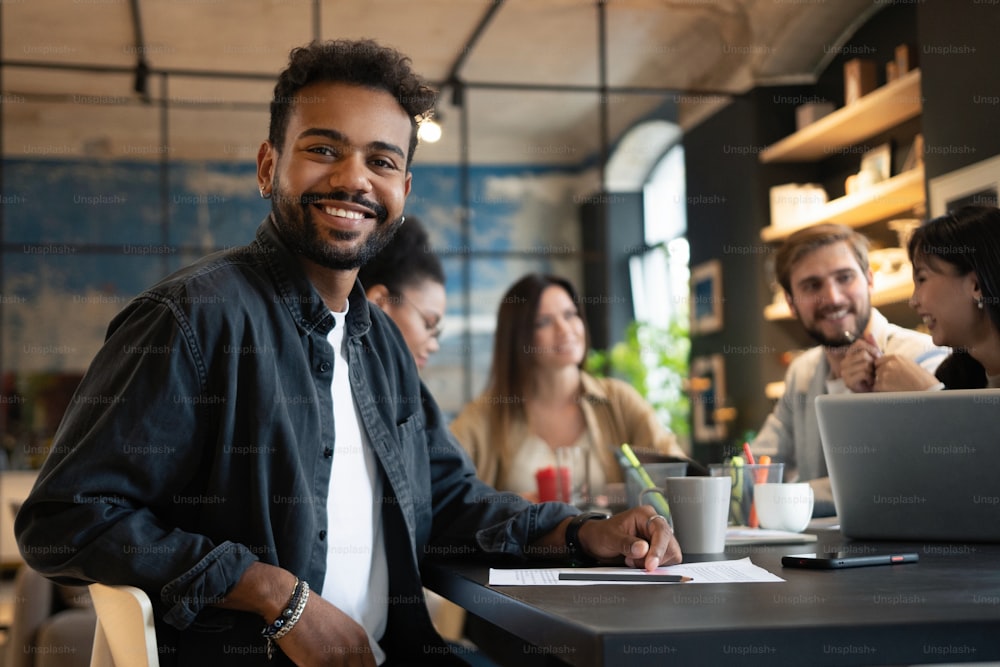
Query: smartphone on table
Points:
[839, 560]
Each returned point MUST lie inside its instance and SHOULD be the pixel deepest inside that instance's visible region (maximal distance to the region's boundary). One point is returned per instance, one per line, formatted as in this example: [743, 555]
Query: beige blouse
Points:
[614, 413]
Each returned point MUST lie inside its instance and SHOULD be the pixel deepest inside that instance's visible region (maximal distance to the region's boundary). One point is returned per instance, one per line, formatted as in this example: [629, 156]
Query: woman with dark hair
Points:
[956, 277]
[406, 281]
[538, 398]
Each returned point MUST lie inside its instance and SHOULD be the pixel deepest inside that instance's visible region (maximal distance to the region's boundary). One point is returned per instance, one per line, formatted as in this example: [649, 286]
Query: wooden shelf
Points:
[879, 110]
[897, 292]
[900, 194]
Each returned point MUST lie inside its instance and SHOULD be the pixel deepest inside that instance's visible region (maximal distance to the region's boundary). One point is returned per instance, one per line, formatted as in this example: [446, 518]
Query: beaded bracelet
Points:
[289, 616]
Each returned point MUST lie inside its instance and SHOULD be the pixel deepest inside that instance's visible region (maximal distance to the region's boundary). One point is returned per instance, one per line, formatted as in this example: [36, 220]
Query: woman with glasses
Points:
[406, 281]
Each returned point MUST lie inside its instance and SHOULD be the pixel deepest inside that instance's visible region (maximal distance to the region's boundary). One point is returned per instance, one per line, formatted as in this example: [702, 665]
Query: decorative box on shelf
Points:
[792, 202]
[859, 79]
[810, 112]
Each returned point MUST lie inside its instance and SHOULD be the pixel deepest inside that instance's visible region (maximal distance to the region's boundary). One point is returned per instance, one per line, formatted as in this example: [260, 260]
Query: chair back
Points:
[126, 634]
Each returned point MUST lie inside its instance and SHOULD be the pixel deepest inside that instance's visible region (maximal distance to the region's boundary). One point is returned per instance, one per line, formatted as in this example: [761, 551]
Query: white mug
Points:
[783, 506]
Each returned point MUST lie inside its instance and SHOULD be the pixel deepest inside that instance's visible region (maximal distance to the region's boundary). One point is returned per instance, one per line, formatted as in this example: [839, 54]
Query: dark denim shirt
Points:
[201, 440]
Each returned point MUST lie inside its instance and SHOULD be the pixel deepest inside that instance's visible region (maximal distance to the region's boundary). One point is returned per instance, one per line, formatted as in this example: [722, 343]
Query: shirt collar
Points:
[299, 296]
[592, 389]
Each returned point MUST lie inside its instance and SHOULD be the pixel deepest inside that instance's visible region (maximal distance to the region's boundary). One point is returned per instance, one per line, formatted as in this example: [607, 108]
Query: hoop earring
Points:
[402, 219]
[264, 195]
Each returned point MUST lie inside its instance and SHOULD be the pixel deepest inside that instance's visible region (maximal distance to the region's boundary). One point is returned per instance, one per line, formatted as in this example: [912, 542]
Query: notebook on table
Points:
[921, 465]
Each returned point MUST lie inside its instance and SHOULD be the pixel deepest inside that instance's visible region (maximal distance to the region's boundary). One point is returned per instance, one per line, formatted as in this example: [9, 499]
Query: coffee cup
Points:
[745, 479]
[699, 507]
[784, 506]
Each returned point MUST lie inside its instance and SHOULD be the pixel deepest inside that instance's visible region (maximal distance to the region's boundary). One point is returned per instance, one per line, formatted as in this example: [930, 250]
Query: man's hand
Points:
[896, 373]
[640, 535]
[857, 369]
[323, 635]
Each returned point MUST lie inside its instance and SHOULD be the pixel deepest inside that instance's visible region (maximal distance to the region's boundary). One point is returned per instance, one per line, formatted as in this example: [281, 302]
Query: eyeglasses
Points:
[432, 324]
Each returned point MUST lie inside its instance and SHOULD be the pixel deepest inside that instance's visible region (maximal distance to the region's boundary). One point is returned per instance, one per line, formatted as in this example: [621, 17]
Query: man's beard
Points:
[842, 339]
[293, 216]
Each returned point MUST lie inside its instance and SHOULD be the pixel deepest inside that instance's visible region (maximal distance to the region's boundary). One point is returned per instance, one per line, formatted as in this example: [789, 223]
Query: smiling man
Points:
[270, 469]
[827, 281]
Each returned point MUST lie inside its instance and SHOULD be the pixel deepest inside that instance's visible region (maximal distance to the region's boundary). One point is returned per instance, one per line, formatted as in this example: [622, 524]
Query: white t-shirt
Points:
[357, 575]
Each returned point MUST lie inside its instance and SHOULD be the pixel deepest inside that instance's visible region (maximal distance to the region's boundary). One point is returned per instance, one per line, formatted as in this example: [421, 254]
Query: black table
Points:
[946, 608]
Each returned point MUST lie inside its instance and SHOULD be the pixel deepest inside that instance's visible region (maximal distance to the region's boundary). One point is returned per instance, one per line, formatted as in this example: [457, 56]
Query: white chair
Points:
[126, 634]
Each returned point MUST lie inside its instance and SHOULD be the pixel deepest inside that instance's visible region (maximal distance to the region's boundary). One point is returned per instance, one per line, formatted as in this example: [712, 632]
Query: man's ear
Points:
[791, 304]
[267, 160]
[378, 294]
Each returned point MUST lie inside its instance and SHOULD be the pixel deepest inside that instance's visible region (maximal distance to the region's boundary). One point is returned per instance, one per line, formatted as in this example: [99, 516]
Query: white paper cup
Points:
[784, 506]
[700, 510]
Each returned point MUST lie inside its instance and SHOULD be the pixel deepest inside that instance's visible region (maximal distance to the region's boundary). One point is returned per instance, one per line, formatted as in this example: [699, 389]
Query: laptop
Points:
[922, 465]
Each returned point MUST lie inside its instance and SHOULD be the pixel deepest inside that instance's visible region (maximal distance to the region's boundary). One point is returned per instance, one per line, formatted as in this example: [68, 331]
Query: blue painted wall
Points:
[80, 238]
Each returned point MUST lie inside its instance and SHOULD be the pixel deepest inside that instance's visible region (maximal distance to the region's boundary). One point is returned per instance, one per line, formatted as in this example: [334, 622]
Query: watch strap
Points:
[576, 553]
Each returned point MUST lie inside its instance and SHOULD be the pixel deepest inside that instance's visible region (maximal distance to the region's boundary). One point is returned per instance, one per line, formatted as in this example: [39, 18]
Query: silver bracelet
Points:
[289, 616]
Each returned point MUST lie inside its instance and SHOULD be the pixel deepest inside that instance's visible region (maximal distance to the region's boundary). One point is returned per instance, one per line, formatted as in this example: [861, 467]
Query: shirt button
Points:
[328, 452]
[324, 367]
[322, 534]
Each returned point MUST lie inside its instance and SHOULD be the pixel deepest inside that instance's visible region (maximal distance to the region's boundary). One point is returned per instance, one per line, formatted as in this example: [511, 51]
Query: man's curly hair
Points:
[362, 63]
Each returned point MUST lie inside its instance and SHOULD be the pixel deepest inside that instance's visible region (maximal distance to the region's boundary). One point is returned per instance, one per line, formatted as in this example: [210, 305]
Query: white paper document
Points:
[724, 571]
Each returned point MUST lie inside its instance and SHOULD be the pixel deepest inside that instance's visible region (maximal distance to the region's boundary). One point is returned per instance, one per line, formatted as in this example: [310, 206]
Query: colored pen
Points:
[658, 502]
[747, 453]
[622, 576]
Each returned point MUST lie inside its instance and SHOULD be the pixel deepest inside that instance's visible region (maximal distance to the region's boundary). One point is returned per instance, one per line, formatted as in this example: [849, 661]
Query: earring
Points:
[264, 195]
[402, 219]
[979, 303]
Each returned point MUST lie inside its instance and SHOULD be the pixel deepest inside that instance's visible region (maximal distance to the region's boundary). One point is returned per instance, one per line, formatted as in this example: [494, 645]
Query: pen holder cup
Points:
[743, 478]
[658, 472]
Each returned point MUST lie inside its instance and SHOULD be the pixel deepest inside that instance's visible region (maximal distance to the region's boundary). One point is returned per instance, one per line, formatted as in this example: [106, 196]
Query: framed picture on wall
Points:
[708, 396]
[977, 183]
[706, 297]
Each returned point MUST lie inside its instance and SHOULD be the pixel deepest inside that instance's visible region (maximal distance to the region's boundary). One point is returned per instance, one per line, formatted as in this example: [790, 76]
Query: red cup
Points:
[551, 487]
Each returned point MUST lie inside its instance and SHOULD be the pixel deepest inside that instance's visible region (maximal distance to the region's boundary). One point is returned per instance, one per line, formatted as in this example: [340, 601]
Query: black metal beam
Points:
[141, 82]
[463, 54]
[479, 85]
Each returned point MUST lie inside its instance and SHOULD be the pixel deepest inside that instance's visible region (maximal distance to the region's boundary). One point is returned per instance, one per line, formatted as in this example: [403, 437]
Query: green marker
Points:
[736, 496]
[658, 502]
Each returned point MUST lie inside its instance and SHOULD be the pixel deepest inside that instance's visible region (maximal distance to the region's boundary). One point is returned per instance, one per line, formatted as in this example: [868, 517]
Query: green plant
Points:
[654, 360]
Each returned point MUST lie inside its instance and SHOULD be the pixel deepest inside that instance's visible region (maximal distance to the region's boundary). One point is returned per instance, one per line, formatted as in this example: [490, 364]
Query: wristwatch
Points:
[576, 553]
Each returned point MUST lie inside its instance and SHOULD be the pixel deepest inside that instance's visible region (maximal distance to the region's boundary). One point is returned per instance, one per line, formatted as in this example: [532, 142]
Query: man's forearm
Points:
[263, 589]
[550, 545]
